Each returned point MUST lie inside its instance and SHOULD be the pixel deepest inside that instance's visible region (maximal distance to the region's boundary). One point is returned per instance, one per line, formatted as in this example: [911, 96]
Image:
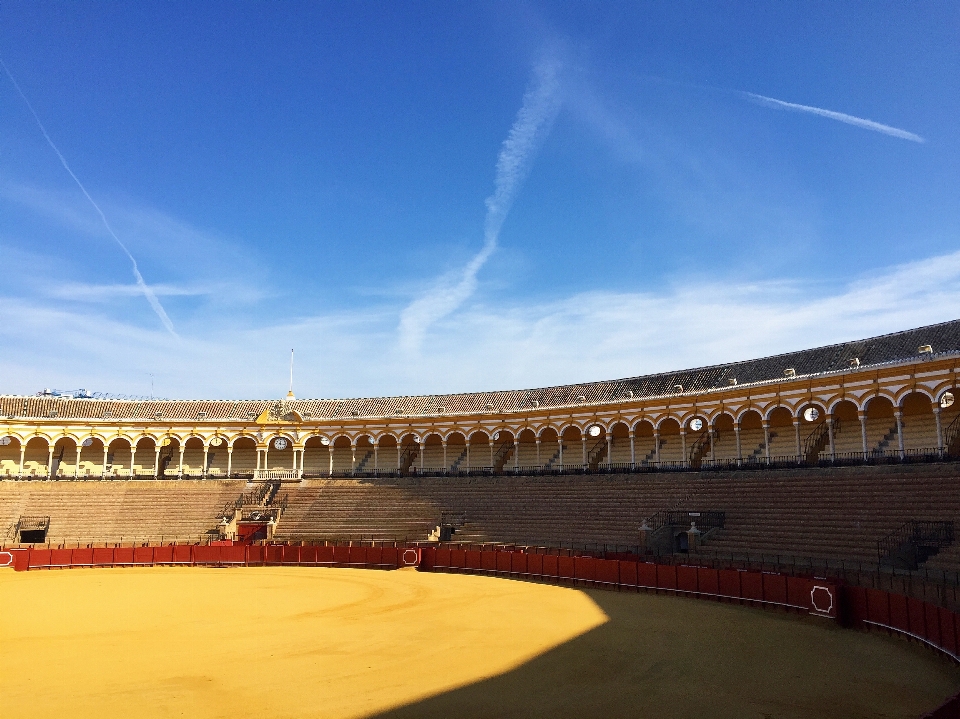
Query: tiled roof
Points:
[899, 346]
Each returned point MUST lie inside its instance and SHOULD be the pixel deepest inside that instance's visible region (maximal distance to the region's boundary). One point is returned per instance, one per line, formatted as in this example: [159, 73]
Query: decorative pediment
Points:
[281, 411]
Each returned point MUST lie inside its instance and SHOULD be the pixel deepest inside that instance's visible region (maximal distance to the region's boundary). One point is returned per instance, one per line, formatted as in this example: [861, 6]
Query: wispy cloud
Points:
[148, 293]
[832, 115]
[582, 337]
[540, 106]
[83, 292]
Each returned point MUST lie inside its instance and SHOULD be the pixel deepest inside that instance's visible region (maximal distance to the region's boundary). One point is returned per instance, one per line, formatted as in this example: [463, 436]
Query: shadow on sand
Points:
[669, 657]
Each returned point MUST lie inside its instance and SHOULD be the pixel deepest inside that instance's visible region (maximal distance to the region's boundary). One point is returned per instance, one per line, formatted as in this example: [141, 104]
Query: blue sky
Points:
[435, 197]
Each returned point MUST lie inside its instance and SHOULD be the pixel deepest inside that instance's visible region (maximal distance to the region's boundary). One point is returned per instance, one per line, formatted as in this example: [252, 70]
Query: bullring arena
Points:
[767, 538]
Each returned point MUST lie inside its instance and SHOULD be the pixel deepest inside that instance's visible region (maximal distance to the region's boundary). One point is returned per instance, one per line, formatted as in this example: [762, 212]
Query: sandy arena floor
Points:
[299, 643]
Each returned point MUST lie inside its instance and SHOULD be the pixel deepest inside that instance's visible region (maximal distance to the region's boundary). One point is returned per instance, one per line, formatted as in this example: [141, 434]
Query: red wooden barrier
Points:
[628, 573]
[608, 571]
[687, 579]
[535, 565]
[899, 614]
[751, 586]
[666, 576]
[585, 568]
[708, 581]
[390, 556]
[473, 559]
[798, 591]
[949, 626]
[936, 626]
[647, 575]
[551, 565]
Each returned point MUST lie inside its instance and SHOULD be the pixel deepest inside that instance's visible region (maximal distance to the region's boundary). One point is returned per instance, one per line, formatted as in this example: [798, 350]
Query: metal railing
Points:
[915, 541]
[877, 457]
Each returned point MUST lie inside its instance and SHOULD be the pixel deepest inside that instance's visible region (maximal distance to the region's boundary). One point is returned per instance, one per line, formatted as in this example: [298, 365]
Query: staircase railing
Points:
[919, 533]
[818, 439]
[700, 447]
[675, 518]
[408, 457]
[951, 437]
[595, 453]
[453, 519]
[502, 454]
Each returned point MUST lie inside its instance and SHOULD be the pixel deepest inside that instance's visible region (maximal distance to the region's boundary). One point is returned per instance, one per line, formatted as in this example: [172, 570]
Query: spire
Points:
[290, 393]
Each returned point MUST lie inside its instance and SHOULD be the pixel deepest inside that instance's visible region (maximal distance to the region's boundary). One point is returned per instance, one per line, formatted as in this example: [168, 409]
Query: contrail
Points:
[147, 292]
[541, 102]
[839, 116]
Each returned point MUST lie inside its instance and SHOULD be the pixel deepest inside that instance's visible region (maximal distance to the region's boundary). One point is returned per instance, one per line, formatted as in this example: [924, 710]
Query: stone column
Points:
[560, 442]
[713, 443]
[376, 456]
[180, 468]
[936, 416]
[106, 449]
[23, 450]
[645, 531]
[133, 459]
[683, 445]
[76, 467]
[796, 429]
[266, 458]
[583, 443]
[516, 454]
[444, 443]
[736, 431]
[766, 440]
[330, 448]
[538, 451]
[633, 449]
[656, 445]
[156, 461]
[863, 431]
[229, 460]
[421, 445]
[353, 457]
[898, 415]
[206, 461]
[609, 450]
[50, 462]
[491, 452]
[258, 460]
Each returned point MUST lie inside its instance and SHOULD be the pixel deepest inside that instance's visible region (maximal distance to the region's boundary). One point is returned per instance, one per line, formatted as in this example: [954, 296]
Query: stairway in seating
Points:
[652, 454]
[502, 456]
[759, 452]
[885, 442]
[597, 454]
[554, 458]
[456, 463]
[363, 462]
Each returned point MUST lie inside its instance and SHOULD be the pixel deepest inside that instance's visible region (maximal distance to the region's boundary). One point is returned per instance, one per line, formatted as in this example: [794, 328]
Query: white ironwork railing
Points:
[276, 475]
